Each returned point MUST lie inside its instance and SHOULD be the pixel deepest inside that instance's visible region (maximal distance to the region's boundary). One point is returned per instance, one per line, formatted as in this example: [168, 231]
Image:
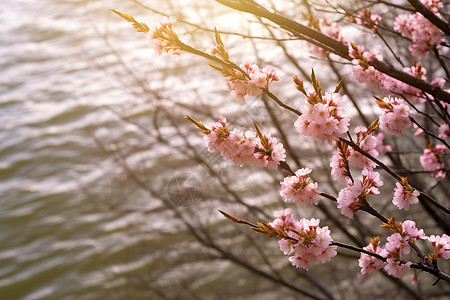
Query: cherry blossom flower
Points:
[353, 197]
[396, 268]
[162, 38]
[308, 242]
[323, 118]
[338, 169]
[397, 244]
[240, 85]
[411, 232]
[284, 219]
[368, 263]
[441, 246]
[423, 34]
[299, 189]
[366, 142]
[444, 131]
[430, 159]
[411, 93]
[363, 72]
[269, 152]
[404, 197]
[395, 117]
[419, 131]
[262, 150]
[366, 19]
[239, 147]
[328, 28]
[218, 133]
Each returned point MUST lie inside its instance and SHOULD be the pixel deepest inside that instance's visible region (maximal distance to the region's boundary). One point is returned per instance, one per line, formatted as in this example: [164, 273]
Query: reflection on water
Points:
[56, 242]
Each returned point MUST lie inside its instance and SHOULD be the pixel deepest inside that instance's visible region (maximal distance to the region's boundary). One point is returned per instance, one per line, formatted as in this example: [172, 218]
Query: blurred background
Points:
[107, 192]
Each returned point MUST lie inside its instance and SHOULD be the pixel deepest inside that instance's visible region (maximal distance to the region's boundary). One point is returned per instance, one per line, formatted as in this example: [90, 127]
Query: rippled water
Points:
[56, 242]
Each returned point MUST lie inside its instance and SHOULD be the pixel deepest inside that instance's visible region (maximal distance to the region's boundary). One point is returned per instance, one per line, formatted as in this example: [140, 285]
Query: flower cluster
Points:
[345, 156]
[431, 160]
[377, 81]
[353, 196]
[366, 19]
[304, 240]
[444, 131]
[363, 72]
[368, 143]
[339, 162]
[409, 92]
[328, 28]
[162, 38]
[259, 149]
[405, 195]
[397, 245]
[299, 189]
[441, 246]
[323, 117]
[395, 118]
[369, 263]
[252, 82]
[423, 34]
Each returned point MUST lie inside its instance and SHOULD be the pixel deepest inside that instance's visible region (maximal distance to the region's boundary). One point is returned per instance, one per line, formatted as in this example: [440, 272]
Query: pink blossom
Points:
[363, 72]
[242, 147]
[409, 92]
[371, 23]
[353, 197]
[370, 76]
[366, 142]
[237, 88]
[284, 219]
[338, 170]
[309, 243]
[395, 117]
[328, 28]
[324, 118]
[441, 246]
[439, 82]
[444, 131]
[423, 34]
[366, 19]
[162, 38]
[397, 245]
[396, 268]
[348, 199]
[219, 133]
[253, 85]
[299, 189]
[370, 264]
[313, 244]
[430, 159]
[269, 152]
[419, 131]
[411, 232]
[403, 198]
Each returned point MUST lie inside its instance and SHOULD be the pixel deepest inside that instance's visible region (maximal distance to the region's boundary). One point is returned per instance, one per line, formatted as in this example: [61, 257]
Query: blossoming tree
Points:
[409, 91]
